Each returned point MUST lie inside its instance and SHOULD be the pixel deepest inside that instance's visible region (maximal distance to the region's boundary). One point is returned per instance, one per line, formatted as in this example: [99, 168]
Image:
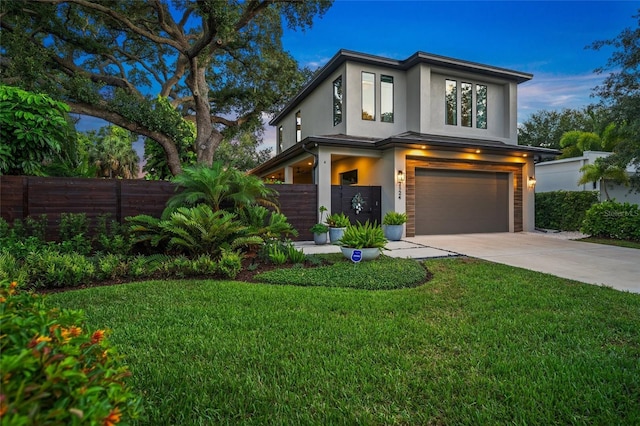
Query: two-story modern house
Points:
[437, 135]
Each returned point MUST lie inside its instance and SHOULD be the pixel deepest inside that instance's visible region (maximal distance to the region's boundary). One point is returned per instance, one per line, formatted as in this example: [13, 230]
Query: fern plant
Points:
[200, 230]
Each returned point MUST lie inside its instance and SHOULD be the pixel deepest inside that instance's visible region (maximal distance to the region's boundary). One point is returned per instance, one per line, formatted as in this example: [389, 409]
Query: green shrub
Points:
[54, 370]
[563, 210]
[77, 244]
[611, 219]
[112, 237]
[21, 247]
[204, 265]
[394, 218]
[338, 220]
[145, 266]
[48, 268]
[277, 255]
[365, 235]
[11, 269]
[230, 263]
[36, 227]
[5, 229]
[111, 266]
[72, 225]
[294, 255]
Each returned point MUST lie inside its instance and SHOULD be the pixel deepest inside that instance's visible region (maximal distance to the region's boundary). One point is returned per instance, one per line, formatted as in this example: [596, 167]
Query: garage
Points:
[461, 201]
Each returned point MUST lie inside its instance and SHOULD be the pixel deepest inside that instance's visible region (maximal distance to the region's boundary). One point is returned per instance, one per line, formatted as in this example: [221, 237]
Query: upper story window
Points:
[451, 102]
[466, 104]
[386, 98]
[470, 102]
[368, 96]
[337, 101]
[280, 139]
[298, 127]
[481, 106]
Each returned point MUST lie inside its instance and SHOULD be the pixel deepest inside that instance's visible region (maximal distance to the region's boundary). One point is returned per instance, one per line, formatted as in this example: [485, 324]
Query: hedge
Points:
[611, 219]
[563, 210]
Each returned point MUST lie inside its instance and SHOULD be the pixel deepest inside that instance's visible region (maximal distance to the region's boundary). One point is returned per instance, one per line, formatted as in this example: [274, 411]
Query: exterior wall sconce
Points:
[400, 179]
[531, 182]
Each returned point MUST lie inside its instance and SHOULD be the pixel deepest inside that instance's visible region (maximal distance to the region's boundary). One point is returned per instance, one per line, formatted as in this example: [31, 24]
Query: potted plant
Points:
[337, 223]
[320, 229]
[393, 225]
[368, 238]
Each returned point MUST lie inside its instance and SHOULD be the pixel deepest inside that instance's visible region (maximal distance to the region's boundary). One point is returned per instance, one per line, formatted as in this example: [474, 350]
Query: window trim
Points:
[298, 127]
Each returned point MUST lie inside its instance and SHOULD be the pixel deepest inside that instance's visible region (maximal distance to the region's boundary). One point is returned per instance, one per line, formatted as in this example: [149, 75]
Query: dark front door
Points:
[342, 197]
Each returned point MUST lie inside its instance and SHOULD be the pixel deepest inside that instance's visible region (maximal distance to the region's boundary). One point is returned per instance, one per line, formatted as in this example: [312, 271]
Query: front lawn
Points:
[480, 343]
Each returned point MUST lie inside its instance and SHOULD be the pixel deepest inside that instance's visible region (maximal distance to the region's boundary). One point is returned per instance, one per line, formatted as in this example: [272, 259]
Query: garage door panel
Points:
[460, 201]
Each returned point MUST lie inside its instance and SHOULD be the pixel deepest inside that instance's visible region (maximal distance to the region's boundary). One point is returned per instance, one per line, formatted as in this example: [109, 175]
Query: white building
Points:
[437, 135]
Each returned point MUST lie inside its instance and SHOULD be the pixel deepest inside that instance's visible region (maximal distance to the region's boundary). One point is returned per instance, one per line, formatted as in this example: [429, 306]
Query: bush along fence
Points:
[27, 196]
[563, 210]
[610, 219]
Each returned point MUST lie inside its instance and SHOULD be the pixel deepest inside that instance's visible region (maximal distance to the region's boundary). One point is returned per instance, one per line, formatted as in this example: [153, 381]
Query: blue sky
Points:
[544, 38]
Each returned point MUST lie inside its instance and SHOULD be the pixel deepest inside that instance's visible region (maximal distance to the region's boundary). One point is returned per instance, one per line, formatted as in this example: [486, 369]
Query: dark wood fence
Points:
[22, 196]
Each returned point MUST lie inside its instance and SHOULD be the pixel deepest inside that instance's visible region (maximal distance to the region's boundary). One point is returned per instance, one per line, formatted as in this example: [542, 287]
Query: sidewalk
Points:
[402, 249]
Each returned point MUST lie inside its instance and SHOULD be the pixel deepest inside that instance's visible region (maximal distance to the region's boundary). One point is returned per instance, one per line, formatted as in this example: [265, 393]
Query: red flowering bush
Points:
[53, 370]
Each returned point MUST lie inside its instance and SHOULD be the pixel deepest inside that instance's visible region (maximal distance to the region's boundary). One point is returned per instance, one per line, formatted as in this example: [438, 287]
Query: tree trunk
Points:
[208, 138]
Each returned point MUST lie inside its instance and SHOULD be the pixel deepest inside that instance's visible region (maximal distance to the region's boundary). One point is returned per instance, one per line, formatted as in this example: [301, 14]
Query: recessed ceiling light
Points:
[524, 155]
[477, 151]
[423, 147]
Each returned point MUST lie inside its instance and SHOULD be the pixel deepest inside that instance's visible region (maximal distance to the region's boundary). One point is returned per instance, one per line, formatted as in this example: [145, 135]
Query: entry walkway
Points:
[403, 249]
[616, 267]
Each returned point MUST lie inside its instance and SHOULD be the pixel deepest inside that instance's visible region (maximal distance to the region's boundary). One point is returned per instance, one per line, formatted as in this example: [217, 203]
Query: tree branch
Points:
[122, 19]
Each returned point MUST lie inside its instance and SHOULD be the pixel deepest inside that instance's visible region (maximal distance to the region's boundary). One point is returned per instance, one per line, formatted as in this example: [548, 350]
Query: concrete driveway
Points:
[616, 267]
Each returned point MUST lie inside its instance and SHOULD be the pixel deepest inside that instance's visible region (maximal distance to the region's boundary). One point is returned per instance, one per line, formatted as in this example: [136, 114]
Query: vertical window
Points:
[368, 96]
[466, 104]
[481, 106]
[337, 101]
[298, 127]
[386, 99]
[279, 139]
[451, 102]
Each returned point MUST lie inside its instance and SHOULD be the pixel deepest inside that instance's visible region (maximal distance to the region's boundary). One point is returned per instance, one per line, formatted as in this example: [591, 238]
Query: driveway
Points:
[616, 267]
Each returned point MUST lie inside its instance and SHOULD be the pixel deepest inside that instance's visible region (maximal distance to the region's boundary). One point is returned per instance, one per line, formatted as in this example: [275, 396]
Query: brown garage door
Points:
[460, 201]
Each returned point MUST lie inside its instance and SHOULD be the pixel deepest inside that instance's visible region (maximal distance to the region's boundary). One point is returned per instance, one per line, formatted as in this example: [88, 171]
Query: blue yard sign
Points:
[356, 256]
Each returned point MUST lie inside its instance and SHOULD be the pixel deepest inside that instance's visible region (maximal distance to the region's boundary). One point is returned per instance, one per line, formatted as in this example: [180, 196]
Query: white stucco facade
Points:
[418, 137]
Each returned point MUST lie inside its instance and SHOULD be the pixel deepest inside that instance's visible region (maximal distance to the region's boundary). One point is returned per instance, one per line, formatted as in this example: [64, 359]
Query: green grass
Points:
[612, 242]
[481, 343]
[384, 273]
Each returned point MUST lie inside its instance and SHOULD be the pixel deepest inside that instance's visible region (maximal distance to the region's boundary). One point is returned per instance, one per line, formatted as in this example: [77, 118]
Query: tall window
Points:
[451, 102]
[298, 127]
[279, 139]
[386, 98]
[466, 104]
[368, 96]
[481, 106]
[337, 101]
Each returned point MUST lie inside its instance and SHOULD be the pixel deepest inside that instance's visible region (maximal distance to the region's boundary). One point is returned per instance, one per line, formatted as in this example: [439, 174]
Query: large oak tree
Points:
[144, 65]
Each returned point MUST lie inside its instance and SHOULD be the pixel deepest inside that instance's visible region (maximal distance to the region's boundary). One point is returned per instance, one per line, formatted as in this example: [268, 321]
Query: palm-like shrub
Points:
[217, 186]
[265, 223]
[200, 230]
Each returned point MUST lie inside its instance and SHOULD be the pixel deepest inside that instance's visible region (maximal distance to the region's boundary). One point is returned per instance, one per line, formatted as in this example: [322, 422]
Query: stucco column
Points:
[324, 179]
[288, 174]
[528, 197]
